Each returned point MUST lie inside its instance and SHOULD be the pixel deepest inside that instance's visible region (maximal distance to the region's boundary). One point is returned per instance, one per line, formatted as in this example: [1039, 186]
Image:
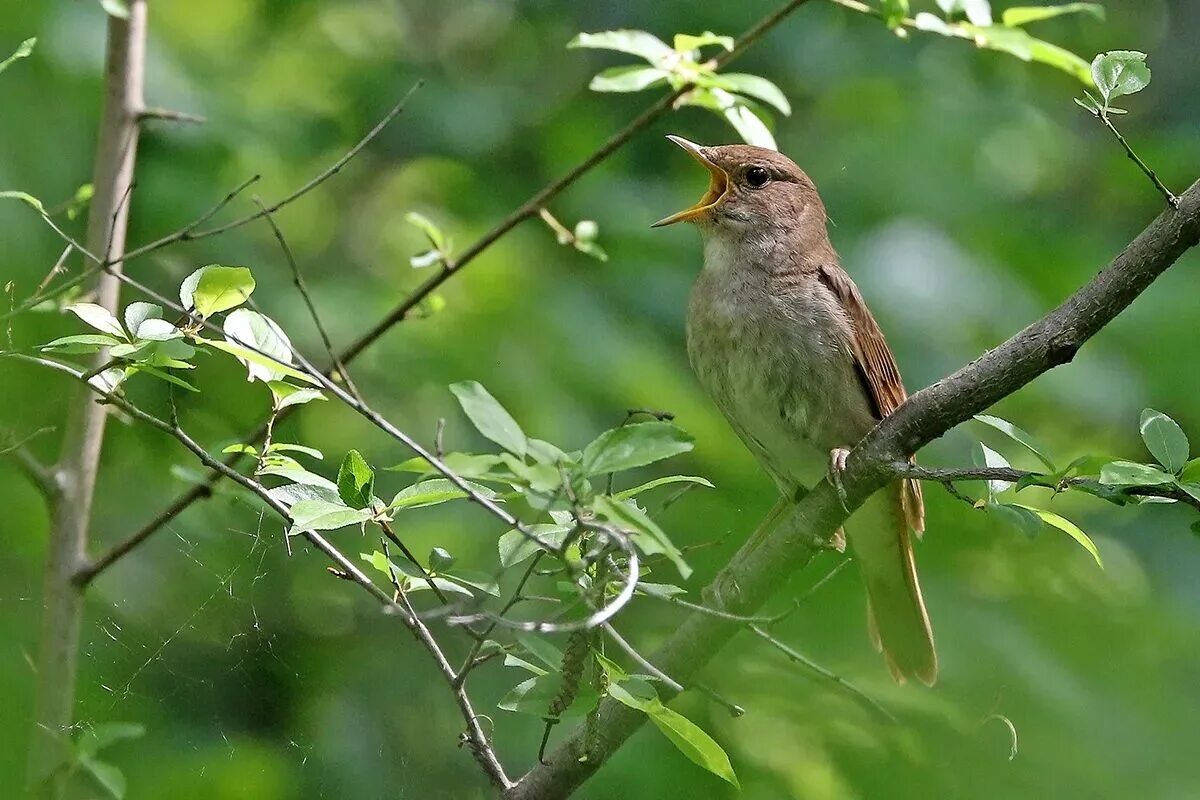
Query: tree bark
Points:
[75, 474]
[753, 574]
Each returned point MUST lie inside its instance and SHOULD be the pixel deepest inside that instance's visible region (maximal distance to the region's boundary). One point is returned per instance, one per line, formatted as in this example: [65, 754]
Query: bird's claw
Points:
[837, 465]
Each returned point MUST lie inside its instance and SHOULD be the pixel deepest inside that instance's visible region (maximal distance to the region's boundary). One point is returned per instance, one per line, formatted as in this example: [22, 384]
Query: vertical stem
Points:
[1172, 200]
[112, 178]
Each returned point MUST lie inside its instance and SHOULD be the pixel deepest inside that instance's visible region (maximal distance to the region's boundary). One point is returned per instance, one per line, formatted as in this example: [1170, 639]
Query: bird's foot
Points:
[837, 465]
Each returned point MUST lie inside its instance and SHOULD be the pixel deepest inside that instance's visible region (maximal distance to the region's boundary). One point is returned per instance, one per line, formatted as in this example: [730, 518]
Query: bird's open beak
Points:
[718, 183]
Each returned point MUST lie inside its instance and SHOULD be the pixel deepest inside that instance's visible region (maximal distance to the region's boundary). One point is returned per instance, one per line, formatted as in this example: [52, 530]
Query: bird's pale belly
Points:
[778, 378]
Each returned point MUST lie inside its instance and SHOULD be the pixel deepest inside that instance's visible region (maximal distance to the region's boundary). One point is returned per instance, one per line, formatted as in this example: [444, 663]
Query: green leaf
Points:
[1017, 435]
[465, 465]
[660, 589]
[1127, 473]
[239, 447]
[300, 475]
[634, 445]
[686, 43]
[1023, 15]
[261, 345]
[756, 87]
[380, 562]
[475, 580]
[489, 417]
[213, 289]
[155, 330]
[116, 8]
[98, 317]
[516, 661]
[541, 649]
[1120, 72]
[1191, 488]
[440, 559]
[24, 197]
[1191, 471]
[285, 395]
[1089, 104]
[647, 535]
[894, 12]
[985, 456]
[162, 376]
[515, 546]
[1016, 42]
[356, 480]
[749, 125]
[533, 696]
[1070, 528]
[432, 232]
[1018, 516]
[285, 447]
[97, 737]
[637, 43]
[82, 343]
[1164, 439]
[654, 484]
[111, 779]
[692, 741]
[435, 491]
[320, 515]
[627, 79]
[137, 313]
[24, 49]
[294, 492]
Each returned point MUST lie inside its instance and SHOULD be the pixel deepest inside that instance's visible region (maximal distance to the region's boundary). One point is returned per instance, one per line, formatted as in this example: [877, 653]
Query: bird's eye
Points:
[757, 177]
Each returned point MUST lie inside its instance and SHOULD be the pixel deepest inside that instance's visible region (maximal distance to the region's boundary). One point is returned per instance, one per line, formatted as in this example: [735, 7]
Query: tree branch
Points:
[746, 582]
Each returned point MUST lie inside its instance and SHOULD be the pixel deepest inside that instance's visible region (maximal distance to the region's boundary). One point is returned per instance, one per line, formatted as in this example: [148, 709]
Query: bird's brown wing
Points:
[877, 370]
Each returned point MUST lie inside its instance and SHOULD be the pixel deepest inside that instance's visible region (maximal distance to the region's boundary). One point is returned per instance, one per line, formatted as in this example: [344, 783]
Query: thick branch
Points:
[749, 579]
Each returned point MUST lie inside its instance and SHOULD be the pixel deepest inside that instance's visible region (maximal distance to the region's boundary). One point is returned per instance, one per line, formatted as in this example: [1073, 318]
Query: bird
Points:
[782, 341]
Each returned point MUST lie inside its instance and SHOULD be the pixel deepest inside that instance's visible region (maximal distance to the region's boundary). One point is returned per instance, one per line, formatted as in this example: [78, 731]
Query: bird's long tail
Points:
[896, 615]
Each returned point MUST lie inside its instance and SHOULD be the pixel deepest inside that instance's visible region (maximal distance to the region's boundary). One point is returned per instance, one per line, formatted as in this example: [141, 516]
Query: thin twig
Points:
[169, 115]
[641, 660]
[1172, 200]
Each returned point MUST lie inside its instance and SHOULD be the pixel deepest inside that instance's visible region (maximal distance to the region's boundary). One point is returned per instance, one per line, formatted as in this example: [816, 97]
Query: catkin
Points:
[574, 658]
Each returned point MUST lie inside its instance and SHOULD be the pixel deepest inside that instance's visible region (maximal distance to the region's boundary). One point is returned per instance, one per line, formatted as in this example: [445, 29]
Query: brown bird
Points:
[783, 342]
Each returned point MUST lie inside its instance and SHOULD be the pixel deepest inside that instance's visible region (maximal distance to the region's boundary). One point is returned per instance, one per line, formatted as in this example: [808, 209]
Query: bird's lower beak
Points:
[718, 184]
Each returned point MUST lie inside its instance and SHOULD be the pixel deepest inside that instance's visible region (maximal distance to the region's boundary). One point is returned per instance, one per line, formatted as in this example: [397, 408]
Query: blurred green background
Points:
[968, 195]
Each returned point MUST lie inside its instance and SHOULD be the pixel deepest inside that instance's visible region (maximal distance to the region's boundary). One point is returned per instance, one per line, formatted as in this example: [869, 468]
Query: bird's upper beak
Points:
[718, 184]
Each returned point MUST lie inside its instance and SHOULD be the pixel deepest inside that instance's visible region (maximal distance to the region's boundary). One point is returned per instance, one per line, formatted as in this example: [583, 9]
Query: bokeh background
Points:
[968, 194]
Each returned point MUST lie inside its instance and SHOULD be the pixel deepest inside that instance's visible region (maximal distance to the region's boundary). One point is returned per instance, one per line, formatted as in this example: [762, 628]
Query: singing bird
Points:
[782, 341]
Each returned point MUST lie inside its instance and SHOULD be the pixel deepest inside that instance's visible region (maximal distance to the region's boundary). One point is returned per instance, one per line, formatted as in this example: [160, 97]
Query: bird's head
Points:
[753, 192]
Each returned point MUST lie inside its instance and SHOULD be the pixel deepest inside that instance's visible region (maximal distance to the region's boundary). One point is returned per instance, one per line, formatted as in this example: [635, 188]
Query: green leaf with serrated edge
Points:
[686, 42]
[24, 197]
[545, 652]
[1070, 528]
[1017, 435]
[213, 289]
[435, 491]
[515, 546]
[654, 484]
[652, 540]
[81, 343]
[627, 79]
[356, 480]
[533, 696]
[1019, 517]
[24, 50]
[284, 395]
[432, 232]
[319, 515]
[634, 445]
[1164, 439]
[756, 87]
[691, 740]
[637, 43]
[489, 417]
[1127, 473]
[284, 447]
[1023, 15]
[99, 318]
[1120, 72]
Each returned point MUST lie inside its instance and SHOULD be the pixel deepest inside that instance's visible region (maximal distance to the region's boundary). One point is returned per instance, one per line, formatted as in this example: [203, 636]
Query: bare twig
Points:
[147, 114]
[641, 660]
[41, 475]
[1172, 200]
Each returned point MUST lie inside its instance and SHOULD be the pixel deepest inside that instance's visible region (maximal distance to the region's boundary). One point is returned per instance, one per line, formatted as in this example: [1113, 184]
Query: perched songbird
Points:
[783, 342]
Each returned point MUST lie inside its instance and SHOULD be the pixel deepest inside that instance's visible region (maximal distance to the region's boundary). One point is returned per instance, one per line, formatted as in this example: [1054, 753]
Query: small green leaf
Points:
[489, 417]
[465, 465]
[637, 43]
[1017, 435]
[985, 456]
[541, 649]
[294, 492]
[1018, 516]
[24, 197]
[1164, 439]
[285, 395]
[213, 289]
[1017, 42]
[137, 313]
[286, 447]
[1070, 528]
[660, 589]
[756, 87]
[433, 492]
[1191, 471]
[692, 741]
[634, 445]
[260, 344]
[533, 696]
[161, 375]
[647, 535]
[440, 559]
[300, 475]
[1127, 473]
[82, 343]
[380, 562]
[627, 79]
[98, 317]
[432, 232]
[475, 580]
[319, 515]
[24, 49]
[239, 447]
[894, 12]
[356, 480]
[1120, 72]
[515, 546]
[1023, 15]
[654, 484]
[686, 43]
[1193, 489]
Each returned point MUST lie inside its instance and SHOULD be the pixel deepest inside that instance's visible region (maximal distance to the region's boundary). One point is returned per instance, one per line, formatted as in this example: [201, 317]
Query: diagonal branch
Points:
[754, 573]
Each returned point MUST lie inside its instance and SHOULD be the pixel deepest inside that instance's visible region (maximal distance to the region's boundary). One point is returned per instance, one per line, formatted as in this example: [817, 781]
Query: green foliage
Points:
[1023, 15]
[213, 289]
[356, 481]
[490, 418]
[1165, 440]
[730, 96]
[440, 246]
[634, 445]
[1115, 74]
[91, 741]
[24, 50]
